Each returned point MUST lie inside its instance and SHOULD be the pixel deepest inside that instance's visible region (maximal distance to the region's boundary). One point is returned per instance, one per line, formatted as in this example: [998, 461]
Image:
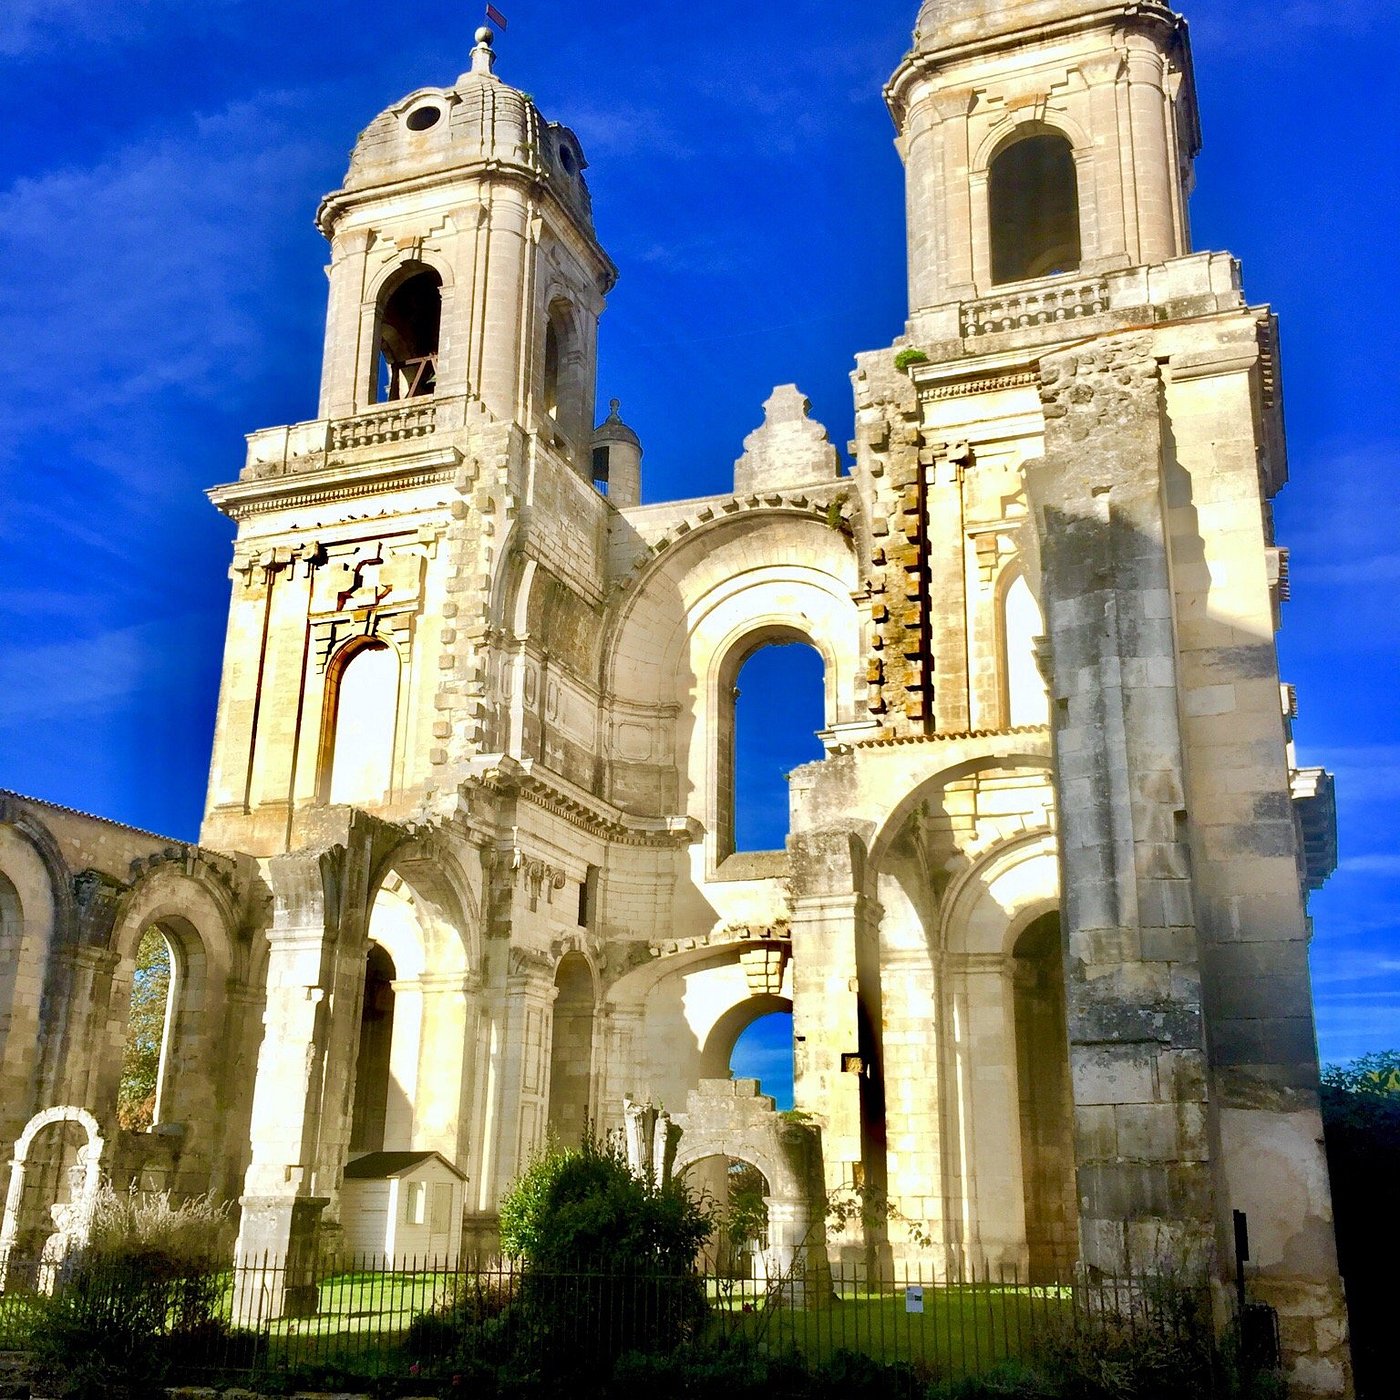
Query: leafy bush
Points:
[477, 1301]
[910, 356]
[1361, 1120]
[609, 1259]
[582, 1206]
[144, 1289]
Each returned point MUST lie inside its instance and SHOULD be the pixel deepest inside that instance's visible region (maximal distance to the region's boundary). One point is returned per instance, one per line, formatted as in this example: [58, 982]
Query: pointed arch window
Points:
[1033, 198]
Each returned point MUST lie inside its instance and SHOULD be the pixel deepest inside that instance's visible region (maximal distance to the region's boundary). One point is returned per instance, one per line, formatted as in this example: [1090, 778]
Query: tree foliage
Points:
[582, 1206]
[610, 1260]
[1361, 1118]
[145, 1034]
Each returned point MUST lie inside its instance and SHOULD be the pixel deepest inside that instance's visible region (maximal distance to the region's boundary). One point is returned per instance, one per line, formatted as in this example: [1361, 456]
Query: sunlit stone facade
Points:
[1041, 917]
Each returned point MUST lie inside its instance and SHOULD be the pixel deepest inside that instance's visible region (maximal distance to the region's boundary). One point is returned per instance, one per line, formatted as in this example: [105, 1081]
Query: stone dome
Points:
[478, 121]
[944, 24]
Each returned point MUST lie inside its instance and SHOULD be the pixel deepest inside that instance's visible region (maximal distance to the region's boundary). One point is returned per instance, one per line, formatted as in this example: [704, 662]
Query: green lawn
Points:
[961, 1331]
[363, 1318]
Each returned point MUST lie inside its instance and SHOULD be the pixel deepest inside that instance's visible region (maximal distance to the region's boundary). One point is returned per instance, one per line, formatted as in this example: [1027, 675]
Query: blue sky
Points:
[161, 294]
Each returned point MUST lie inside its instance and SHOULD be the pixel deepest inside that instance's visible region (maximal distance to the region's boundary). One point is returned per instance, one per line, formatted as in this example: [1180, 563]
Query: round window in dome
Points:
[421, 118]
[566, 159]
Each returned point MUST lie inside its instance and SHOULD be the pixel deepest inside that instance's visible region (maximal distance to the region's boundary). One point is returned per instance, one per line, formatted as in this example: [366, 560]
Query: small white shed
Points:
[401, 1209]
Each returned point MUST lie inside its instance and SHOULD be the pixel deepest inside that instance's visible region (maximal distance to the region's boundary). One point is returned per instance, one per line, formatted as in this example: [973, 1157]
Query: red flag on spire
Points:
[496, 17]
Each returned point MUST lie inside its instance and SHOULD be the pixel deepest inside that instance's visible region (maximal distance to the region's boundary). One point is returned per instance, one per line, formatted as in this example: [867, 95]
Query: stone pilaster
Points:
[1133, 978]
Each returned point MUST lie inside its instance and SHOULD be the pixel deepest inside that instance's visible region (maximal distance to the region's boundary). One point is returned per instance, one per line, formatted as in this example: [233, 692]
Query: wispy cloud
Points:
[41, 25]
[154, 306]
[89, 675]
[1383, 864]
[624, 130]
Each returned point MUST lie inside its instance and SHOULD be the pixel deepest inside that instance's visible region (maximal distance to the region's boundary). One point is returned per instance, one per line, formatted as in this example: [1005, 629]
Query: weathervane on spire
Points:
[494, 16]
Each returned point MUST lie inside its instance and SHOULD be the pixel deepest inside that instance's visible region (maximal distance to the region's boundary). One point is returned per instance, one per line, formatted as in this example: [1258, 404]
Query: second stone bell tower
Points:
[1041, 137]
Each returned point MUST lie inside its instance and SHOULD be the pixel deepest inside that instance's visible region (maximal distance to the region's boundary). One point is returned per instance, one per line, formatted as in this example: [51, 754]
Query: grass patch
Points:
[960, 1332]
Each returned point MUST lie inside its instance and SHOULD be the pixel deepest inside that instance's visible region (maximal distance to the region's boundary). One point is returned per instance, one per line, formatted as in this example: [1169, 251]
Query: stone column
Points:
[1133, 978]
[982, 1043]
[315, 977]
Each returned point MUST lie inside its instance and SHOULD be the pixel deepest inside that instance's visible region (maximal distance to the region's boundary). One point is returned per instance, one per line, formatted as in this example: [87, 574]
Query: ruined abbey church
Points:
[468, 871]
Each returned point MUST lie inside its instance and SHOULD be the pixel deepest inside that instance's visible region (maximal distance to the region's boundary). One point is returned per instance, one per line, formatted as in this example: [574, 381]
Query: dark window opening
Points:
[1046, 1101]
[1034, 210]
[588, 898]
[423, 118]
[551, 370]
[371, 1104]
[600, 468]
[410, 325]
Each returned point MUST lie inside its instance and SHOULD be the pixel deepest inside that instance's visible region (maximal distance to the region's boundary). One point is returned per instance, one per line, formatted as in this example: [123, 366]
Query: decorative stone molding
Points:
[836, 507]
[1035, 306]
[736, 934]
[987, 384]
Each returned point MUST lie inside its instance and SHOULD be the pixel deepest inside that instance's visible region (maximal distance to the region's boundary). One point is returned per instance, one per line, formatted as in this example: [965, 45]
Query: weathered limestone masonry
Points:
[1040, 920]
[1137, 1044]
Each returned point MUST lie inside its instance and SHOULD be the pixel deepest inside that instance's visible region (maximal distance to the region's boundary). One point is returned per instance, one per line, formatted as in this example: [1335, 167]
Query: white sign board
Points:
[913, 1300]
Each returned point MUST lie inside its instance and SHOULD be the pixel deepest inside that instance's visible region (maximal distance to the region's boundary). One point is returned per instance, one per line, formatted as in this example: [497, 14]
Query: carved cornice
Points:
[741, 935]
[581, 810]
[895, 740]
[986, 384]
[344, 483]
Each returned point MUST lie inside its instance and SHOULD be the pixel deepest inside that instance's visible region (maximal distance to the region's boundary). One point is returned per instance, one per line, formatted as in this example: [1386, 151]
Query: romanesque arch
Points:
[55, 1175]
[675, 644]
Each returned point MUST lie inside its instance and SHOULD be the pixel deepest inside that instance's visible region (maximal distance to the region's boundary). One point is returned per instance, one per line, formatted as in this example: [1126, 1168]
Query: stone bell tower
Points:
[379, 550]
[450, 275]
[466, 284]
[1039, 137]
[1083, 414]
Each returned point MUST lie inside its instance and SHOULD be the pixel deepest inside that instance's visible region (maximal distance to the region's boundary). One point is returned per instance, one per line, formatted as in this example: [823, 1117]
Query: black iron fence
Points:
[357, 1318]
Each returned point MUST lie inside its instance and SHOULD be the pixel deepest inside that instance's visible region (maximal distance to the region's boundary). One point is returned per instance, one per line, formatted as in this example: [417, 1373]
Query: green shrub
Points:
[609, 1260]
[141, 1294]
[909, 356]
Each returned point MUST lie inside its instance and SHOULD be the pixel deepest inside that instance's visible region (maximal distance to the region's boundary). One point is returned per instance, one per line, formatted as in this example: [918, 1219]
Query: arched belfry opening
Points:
[1046, 1101]
[410, 328]
[1033, 209]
